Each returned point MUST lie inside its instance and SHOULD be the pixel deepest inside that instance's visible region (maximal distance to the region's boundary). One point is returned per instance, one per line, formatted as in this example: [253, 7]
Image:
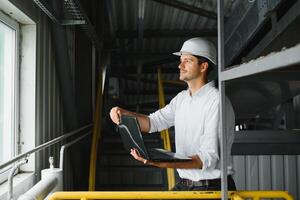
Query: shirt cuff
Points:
[208, 161]
[152, 126]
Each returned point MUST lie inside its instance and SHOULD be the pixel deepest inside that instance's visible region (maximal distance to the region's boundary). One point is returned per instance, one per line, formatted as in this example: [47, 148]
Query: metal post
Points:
[165, 135]
[222, 99]
[96, 134]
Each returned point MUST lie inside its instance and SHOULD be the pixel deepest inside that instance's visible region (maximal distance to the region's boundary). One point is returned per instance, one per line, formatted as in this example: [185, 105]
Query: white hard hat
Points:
[199, 47]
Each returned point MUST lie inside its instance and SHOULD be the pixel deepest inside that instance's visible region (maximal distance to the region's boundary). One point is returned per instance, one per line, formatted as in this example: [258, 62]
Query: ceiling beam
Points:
[189, 8]
[151, 33]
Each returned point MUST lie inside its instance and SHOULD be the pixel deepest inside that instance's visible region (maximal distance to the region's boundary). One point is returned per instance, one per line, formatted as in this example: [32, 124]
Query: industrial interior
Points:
[70, 61]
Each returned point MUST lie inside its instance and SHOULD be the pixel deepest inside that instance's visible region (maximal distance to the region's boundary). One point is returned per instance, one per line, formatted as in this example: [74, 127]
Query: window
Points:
[8, 88]
[17, 94]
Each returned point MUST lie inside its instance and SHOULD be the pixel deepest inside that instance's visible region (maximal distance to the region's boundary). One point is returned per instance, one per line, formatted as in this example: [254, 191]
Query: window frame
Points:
[16, 100]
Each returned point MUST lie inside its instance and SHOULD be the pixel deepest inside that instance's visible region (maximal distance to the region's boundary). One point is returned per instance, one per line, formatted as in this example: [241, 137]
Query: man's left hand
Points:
[137, 156]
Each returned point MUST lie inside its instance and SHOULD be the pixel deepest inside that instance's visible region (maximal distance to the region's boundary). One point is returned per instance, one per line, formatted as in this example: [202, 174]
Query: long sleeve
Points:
[164, 117]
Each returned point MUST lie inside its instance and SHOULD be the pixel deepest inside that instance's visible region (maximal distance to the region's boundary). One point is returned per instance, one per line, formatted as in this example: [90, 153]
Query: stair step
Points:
[130, 176]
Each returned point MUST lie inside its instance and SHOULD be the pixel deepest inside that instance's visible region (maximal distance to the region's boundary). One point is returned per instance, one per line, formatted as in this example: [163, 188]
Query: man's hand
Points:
[195, 163]
[137, 156]
[115, 114]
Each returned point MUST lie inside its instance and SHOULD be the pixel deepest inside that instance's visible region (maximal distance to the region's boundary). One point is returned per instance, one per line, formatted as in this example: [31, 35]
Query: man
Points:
[195, 114]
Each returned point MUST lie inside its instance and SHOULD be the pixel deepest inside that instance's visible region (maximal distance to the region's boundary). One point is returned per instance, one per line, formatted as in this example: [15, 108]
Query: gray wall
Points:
[268, 173]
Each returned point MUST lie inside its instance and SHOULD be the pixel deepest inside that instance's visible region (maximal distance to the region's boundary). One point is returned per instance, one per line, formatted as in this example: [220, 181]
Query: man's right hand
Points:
[144, 121]
[115, 114]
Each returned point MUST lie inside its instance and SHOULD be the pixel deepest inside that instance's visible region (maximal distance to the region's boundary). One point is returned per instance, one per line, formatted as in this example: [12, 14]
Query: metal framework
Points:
[186, 7]
[75, 14]
[284, 58]
[149, 33]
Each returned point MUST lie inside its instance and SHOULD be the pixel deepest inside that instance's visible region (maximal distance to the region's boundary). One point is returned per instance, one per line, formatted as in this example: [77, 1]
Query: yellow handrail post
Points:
[235, 196]
[96, 134]
[165, 133]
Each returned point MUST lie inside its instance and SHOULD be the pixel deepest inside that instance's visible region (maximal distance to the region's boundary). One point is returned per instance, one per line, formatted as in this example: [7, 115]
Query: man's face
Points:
[189, 68]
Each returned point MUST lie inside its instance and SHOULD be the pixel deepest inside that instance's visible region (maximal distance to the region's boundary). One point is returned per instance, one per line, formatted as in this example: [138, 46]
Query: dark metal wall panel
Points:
[49, 116]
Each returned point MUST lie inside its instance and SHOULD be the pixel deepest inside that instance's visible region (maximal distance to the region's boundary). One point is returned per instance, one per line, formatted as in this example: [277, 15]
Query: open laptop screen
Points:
[131, 135]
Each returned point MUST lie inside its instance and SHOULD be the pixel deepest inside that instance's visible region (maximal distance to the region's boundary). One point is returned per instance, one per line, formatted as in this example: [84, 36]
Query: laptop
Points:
[132, 138]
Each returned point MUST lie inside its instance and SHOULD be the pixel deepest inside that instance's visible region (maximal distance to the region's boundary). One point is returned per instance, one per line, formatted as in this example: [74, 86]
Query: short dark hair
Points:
[210, 64]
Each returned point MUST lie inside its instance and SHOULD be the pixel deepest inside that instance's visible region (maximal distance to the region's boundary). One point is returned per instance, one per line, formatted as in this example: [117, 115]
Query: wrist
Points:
[145, 162]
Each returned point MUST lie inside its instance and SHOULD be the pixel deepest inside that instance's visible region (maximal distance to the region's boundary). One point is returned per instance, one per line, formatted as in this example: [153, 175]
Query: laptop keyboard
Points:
[160, 154]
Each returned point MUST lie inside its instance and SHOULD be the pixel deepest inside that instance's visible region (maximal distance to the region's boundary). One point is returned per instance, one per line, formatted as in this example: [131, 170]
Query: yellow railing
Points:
[233, 195]
[165, 133]
[96, 135]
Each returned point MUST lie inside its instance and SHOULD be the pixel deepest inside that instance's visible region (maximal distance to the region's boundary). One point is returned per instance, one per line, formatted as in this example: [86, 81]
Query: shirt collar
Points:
[202, 90]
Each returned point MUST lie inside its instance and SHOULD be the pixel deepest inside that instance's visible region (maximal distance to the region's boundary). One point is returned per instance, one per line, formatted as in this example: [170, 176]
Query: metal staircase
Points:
[117, 169]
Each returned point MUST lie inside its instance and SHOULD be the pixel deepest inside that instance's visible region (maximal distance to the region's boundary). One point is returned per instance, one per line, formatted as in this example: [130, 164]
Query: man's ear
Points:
[204, 66]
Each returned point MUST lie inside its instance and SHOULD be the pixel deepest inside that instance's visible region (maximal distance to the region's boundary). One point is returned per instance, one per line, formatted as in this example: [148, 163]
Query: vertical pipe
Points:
[96, 134]
[165, 134]
[11, 176]
[221, 67]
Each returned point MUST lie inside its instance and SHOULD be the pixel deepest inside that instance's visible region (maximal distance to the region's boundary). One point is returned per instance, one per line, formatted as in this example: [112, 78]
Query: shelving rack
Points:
[276, 60]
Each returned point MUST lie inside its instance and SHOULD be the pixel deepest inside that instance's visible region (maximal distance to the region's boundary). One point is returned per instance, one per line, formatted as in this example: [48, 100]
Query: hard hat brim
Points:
[182, 52]
[177, 53]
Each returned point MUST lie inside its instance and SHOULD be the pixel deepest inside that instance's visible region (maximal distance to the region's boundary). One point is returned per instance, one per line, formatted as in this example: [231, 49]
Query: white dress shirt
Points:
[197, 129]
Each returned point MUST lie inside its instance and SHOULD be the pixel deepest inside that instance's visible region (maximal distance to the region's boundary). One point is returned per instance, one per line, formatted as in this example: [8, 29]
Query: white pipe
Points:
[40, 190]
[11, 176]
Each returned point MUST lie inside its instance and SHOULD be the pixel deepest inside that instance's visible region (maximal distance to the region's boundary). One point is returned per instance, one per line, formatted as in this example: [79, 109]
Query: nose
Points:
[180, 66]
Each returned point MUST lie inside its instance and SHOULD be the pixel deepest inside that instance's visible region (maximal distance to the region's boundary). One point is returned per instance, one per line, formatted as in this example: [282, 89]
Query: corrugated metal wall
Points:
[268, 173]
[49, 117]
